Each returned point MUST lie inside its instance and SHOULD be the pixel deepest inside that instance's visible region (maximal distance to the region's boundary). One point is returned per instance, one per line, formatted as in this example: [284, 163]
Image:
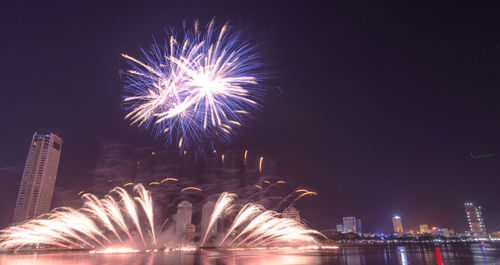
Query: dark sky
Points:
[382, 105]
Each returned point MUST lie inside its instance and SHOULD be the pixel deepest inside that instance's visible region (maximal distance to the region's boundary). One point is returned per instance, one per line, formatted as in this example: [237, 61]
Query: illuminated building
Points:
[292, 213]
[397, 224]
[206, 213]
[39, 177]
[424, 229]
[358, 226]
[474, 218]
[339, 228]
[445, 232]
[349, 224]
[190, 232]
[184, 213]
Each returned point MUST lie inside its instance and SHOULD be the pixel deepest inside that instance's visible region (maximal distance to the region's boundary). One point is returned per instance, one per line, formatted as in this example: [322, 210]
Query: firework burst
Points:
[195, 91]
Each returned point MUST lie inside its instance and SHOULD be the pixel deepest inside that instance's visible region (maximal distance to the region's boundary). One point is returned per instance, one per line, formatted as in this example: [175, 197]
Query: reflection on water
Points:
[348, 255]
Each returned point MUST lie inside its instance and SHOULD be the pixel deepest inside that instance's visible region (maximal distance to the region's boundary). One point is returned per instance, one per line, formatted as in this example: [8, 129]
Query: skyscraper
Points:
[349, 224]
[358, 225]
[206, 213]
[397, 224]
[292, 213]
[475, 218]
[39, 177]
[184, 213]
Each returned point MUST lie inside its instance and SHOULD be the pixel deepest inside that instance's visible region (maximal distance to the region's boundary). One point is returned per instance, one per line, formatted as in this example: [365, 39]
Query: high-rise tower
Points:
[184, 214]
[349, 224]
[39, 177]
[206, 213]
[475, 218]
[397, 224]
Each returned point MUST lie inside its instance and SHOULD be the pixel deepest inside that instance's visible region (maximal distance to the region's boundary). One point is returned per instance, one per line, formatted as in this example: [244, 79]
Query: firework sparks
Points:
[260, 227]
[196, 90]
[69, 228]
[222, 203]
[105, 224]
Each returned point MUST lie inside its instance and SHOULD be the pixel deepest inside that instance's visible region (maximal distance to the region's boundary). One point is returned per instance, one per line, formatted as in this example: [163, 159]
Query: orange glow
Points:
[222, 158]
[245, 157]
[260, 164]
[308, 193]
[154, 183]
[128, 184]
[259, 187]
[267, 181]
[280, 182]
[80, 193]
[168, 179]
[191, 188]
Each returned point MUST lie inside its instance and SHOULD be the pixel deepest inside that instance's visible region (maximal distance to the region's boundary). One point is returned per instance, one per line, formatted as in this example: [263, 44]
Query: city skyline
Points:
[360, 104]
[105, 159]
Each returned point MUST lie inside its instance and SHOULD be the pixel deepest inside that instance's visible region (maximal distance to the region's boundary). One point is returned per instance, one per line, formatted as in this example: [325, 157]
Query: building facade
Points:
[292, 213]
[397, 225]
[184, 214]
[39, 177]
[190, 232]
[358, 226]
[475, 218]
[206, 213]
[424, 229]
[349, 224]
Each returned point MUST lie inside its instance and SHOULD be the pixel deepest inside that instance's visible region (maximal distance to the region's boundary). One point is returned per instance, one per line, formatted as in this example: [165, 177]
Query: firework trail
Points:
[90, 226]
[130, 208]
[146, 202]
[84, 228]
[221, 206]
[261, 227]
[195, 91]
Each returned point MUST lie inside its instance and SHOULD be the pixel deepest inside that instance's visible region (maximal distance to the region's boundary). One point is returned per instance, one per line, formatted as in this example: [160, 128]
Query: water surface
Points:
[348, 255]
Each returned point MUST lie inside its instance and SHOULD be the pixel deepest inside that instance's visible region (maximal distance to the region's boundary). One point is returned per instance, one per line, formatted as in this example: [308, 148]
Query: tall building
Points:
[358, 225]
[397, 224]
[39, 177]
[292, 213]
[445, 232]
[339, 228]
[475, 218]
[184, 213]
[424, 229]
[206, 213]
[349, 224]
[190, 232]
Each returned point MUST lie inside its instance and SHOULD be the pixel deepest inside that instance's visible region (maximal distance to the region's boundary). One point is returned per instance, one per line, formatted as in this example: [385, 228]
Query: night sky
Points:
[382, 104]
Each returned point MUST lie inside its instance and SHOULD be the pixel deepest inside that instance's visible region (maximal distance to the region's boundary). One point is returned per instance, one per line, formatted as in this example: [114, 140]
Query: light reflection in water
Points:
[403, 260]
[438, 256]
[347, 255]
[204, 257]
